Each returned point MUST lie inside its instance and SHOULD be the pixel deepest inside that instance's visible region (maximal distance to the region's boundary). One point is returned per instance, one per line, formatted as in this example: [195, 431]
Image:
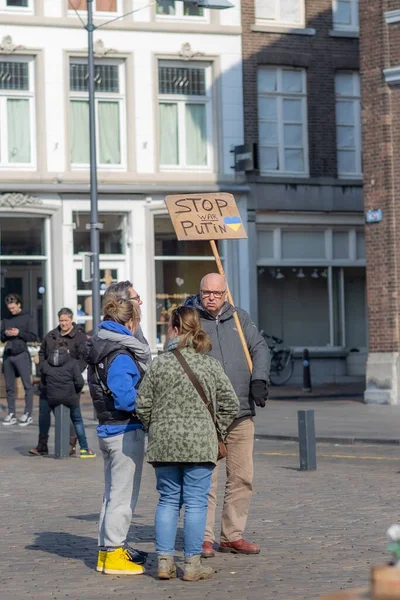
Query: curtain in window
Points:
[109, 133]
[290, 11]
[79, 134]
[196, 134]
[266, 9]
[77, 4]
[169, 147]
[19, 131]
[106, 5]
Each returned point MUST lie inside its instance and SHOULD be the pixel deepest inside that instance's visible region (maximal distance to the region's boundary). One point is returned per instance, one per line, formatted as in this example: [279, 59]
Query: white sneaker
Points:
[10, 419]
[25, 420]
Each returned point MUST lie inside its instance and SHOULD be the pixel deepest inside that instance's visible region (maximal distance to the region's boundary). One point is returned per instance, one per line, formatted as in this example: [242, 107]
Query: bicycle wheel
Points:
[282, 366]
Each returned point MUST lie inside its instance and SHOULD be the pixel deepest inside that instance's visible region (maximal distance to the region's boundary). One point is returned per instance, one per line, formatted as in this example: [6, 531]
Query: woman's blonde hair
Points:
[187, 322]
[121, 310]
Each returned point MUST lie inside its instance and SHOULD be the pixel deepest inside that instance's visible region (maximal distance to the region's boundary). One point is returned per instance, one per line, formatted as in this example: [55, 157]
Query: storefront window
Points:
[355, 309]
[22, 236]
[179, 268]
[294, 305]
[84, 295]
[112, 235]
[22, 265]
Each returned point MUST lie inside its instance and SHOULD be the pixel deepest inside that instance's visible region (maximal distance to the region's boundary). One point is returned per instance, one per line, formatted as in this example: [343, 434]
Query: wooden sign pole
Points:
[230, 299]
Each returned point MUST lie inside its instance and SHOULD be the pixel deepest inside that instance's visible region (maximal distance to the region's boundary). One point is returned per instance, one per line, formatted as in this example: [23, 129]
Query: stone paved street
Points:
[319, 531]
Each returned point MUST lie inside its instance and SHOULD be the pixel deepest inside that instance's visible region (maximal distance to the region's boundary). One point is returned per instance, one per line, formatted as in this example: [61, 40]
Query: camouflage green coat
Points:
[178, 422]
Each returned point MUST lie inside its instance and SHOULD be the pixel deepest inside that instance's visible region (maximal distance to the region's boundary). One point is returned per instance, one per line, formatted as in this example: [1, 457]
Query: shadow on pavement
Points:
[78, 547]
[137, 533]
[67, 545]
[91, 518]
[24, 451]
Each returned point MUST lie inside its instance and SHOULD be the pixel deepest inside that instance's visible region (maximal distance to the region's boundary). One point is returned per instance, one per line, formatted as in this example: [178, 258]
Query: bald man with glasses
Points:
[217, 319]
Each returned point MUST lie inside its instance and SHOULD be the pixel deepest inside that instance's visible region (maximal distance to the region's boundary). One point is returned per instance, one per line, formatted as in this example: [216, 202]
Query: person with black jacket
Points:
[62, 382]
[75, 339]
[16, 330]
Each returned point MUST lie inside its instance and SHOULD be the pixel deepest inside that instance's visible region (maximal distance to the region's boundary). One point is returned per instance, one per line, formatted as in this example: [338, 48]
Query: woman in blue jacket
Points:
[114, 374]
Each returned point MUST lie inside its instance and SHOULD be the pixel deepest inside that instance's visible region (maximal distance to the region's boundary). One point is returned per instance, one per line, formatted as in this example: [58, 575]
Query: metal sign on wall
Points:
[205, 217]
[245, 158]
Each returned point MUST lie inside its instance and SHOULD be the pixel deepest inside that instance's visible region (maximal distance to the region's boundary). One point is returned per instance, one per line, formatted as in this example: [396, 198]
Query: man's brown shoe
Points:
[239, 547]
[208, 550]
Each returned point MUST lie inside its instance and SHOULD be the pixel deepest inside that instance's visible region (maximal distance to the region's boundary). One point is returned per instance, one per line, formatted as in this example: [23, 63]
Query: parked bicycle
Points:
[282, 360]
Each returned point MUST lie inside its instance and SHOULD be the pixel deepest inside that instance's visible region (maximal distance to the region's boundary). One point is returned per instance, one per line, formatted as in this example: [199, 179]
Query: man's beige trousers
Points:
[239, 485]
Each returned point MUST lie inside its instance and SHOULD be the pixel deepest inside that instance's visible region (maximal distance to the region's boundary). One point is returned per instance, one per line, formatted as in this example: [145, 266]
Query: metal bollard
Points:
[307, 387]
[61, 444]
[307, 446]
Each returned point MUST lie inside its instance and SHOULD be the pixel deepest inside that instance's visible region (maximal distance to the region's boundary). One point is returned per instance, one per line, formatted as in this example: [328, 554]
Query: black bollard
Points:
[61, 443]
[307, 387]
[307, 446]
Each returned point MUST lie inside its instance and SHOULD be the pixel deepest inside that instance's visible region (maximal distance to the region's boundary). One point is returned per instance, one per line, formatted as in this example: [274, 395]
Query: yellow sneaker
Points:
[118, 562]
[101, 559]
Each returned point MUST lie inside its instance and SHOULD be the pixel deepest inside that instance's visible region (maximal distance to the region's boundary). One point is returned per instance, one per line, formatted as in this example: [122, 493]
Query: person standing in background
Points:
[16, 330]
[75, 339]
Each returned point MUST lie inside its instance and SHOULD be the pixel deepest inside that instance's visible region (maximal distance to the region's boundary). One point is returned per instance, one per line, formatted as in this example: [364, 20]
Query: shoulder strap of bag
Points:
[196, 383]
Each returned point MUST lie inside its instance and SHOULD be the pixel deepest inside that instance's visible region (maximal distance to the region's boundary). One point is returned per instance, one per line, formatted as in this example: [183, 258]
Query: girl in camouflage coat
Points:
[183, 444]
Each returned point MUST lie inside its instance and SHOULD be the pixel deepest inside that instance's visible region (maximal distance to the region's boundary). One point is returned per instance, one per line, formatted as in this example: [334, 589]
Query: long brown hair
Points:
[187, 322]
[120, 310]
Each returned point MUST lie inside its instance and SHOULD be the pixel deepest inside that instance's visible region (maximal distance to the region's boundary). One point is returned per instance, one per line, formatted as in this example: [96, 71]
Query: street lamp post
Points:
[94, 224]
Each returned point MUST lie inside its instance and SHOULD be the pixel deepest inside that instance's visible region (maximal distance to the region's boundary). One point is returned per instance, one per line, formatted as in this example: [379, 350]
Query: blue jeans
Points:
[76, 417]
[188, 484]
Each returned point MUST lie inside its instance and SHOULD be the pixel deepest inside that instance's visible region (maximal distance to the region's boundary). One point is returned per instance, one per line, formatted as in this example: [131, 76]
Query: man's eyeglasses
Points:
[207, 293]
[135, 298]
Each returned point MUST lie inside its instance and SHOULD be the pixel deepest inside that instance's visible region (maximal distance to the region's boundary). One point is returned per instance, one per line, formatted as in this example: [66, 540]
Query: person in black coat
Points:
[62, 382]
[16, 330]
[75, 339]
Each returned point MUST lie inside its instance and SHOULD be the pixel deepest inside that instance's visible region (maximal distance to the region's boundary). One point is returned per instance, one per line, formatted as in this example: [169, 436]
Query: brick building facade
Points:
[380, 78]
[302, 108]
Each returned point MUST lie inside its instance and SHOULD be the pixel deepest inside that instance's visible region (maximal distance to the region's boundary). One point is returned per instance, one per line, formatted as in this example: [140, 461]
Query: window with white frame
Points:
[282, 121]
[289, 13]
[179, 10]
[345, 15]
[100, 7]
[110, 113]
[348, 124]
[185, 117]
[17, 112]
[17, 6]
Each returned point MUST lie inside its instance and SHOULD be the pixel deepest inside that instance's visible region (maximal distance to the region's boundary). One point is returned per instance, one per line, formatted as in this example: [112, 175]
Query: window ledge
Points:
[343, 33]
[392, 16]
[284, 176]
[346, 177]
[278, 29]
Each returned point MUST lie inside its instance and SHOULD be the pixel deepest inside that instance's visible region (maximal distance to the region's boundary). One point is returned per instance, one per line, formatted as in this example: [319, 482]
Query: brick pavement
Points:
[318, 531]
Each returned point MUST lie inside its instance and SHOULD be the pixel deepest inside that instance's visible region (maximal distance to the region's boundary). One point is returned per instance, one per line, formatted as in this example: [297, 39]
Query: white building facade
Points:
[169, 109]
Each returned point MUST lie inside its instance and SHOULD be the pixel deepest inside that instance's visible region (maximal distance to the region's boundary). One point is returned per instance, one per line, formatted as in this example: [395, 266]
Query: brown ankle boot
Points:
[72, 446]
[166, 567]
[42, 448]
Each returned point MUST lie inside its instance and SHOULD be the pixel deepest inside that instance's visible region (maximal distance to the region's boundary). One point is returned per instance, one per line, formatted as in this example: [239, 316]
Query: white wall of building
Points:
[223, 50]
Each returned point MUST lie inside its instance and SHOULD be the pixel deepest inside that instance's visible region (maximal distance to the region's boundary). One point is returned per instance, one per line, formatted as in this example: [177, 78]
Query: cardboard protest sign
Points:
[205, 217]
